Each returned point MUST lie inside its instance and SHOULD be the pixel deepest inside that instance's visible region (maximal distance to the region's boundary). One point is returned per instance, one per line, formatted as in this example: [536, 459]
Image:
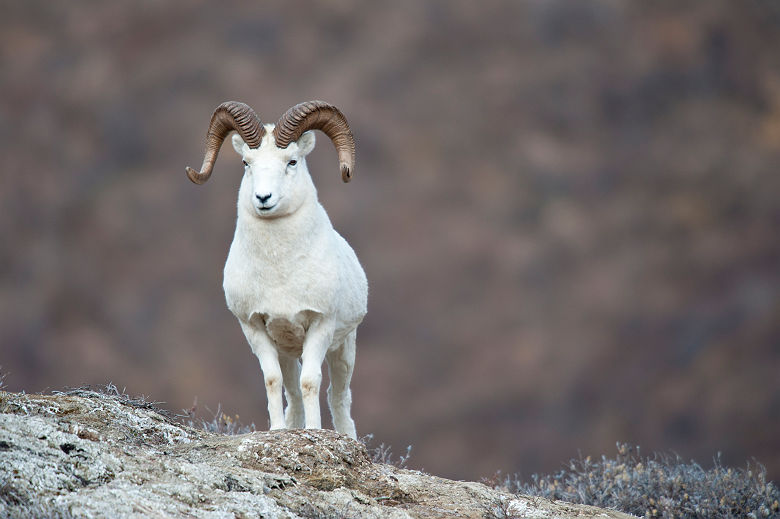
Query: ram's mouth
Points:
[266, 211]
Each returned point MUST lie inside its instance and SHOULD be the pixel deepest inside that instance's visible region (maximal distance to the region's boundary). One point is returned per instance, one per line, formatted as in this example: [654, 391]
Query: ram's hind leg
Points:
[341, 363]
[291, 370]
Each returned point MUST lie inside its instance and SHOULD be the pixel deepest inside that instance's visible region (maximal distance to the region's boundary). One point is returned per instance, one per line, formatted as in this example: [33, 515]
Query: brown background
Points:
[567, 211]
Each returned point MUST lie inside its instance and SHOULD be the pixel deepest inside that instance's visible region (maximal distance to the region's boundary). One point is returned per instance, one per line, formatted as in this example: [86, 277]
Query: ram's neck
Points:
[285, 236]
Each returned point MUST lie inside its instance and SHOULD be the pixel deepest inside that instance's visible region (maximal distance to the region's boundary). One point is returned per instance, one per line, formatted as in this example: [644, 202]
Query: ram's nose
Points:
[263, 198]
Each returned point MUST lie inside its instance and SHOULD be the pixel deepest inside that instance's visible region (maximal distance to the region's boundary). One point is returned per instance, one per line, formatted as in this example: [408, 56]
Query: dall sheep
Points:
[292, 281]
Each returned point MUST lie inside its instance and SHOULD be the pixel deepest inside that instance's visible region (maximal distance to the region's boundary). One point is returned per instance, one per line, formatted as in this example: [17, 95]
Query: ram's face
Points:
[276, 181]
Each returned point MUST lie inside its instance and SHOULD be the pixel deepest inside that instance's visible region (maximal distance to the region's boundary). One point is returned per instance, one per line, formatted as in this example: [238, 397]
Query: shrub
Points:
[660, 486]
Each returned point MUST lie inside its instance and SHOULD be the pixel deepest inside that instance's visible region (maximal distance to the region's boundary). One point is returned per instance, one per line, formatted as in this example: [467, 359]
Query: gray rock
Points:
[89, 454]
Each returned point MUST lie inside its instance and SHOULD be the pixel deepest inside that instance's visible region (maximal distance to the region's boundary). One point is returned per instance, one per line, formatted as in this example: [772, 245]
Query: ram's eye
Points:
[246, 164]
[292, 162]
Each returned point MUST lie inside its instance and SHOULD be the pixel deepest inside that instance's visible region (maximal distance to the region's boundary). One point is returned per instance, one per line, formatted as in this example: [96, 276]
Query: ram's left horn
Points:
[319, 115]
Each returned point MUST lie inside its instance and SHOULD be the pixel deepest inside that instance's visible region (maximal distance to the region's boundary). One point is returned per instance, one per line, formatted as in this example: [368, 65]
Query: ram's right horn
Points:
[229, 116]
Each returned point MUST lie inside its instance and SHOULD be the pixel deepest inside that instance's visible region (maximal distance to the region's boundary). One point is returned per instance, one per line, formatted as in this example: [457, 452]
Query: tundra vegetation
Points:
[95, 451]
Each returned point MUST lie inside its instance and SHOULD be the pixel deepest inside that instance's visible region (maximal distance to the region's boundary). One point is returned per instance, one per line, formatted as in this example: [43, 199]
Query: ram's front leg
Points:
[266, 353]
[315, 346]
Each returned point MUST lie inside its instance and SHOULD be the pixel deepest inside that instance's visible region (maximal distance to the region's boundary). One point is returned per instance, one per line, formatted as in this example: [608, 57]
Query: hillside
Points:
[567, 211]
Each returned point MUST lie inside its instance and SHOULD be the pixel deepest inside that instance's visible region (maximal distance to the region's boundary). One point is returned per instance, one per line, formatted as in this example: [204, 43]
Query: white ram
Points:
[292, 281]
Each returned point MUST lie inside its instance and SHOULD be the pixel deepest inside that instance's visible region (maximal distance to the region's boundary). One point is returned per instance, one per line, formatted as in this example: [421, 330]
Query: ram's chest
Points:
[281, 296]
[287, 333]
[284, 318]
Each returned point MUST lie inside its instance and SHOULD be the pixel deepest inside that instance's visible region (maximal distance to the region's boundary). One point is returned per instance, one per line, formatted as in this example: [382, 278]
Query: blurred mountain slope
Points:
[567, 212]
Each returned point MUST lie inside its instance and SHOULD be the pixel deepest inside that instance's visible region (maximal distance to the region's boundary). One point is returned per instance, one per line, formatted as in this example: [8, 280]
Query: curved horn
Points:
[229, 116]
[319, 115]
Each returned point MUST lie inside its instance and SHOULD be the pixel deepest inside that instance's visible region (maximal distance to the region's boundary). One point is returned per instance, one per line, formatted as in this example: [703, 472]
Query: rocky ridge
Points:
[86, 453]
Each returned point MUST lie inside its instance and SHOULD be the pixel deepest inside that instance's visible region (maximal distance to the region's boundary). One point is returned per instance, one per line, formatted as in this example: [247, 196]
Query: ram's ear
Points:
[239, 145]
[306, 143]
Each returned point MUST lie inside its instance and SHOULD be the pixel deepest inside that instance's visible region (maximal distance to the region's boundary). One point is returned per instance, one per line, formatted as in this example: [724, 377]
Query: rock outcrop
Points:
[89, 454]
